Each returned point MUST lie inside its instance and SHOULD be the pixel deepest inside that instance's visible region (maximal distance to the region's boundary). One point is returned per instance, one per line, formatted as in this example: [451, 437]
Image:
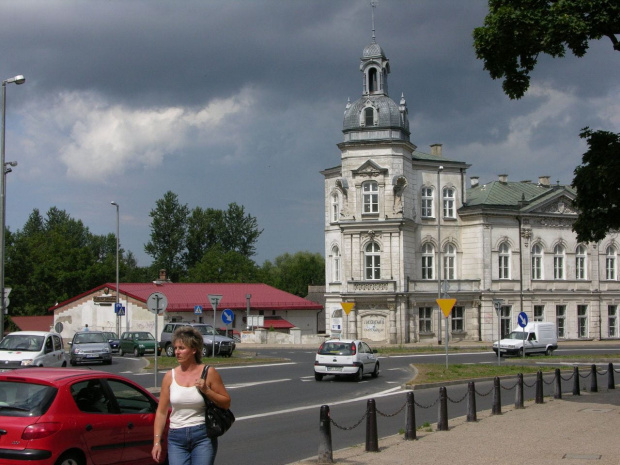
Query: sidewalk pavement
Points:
[574, 430]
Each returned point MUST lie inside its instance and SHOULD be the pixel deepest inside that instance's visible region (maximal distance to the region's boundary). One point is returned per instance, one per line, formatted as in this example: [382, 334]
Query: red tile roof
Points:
[277, 323]
[182, 297]
[33, 323]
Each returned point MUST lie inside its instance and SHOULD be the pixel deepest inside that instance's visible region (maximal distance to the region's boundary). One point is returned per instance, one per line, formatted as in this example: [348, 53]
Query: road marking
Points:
[255, 383]
[439, 354]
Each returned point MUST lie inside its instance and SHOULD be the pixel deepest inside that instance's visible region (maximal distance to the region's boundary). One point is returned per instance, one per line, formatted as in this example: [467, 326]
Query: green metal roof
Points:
[512, 194]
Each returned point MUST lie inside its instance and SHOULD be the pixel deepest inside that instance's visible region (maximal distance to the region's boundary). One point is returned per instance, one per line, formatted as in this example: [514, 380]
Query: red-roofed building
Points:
[33, 323]
[280, 309]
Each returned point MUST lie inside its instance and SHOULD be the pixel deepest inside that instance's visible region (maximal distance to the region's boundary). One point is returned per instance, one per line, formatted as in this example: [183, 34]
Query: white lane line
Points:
[440, 354]
[255, 383]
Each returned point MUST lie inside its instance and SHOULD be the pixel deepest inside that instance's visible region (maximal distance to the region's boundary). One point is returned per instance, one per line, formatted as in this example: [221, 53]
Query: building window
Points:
[458, 319]
[539, 313]
[427, 202]
[369, 116]
[373, 261]
[335, 208]
[504, 261]
[448, 202]
[371, 197]
[428, 253]
[537, 262]
[582, 320]
[560, 319]
[426, 320]
[449, 262]
[506, 324]
[610, 264]
[612, 320]
[580, 263]
[372, 80]
[336, 264]
[558, 262]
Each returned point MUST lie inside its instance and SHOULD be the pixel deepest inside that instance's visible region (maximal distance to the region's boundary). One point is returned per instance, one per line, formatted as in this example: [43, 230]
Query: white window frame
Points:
[611, 263]
[449, 262]
[428, 262]
[558, 262]
[428, 195]
[425, 317]
[560, 319]
[582, 321]
[504, 260]
[538, 256]
[336, 264]
[457, 315]
[449, 201]
[372, 261]
[335, 208]
[370, 191]
[539, 313]
[581, 262]
[612, 321]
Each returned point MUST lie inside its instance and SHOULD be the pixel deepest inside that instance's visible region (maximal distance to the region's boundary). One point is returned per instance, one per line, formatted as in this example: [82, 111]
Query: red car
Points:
[67, 416]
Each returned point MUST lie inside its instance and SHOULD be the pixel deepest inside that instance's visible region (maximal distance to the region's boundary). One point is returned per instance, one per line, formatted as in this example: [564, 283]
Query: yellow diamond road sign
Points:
[347, 306]
[446, 305]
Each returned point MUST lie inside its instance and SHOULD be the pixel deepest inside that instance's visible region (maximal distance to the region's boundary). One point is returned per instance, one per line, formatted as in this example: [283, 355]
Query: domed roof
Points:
[373, 50]
[388, 112]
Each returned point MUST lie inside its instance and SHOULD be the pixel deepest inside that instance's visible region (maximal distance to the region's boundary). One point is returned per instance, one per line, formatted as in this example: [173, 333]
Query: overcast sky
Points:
[242, 101]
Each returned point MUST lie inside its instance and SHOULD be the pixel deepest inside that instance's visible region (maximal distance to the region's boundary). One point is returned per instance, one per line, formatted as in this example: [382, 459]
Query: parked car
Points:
[113, 340]
[90, 346]
[138, 343]
[32, 348]
[231, 333]
[67, 416]
[223, 345]
[345, 358]
[536, 337]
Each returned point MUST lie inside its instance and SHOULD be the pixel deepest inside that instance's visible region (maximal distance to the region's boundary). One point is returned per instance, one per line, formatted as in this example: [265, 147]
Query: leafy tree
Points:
[293, 273]
[204, 230]
[516, 32]
[219, 266]
[168, 235]
[240, 232]
[598, 186]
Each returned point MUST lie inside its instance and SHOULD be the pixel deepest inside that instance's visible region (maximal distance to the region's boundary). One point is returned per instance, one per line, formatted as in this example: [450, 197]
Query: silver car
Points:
[346, 358]
[90, 346]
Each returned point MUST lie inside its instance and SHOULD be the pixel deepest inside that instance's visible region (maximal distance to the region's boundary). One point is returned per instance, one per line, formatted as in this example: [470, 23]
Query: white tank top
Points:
[188, 406]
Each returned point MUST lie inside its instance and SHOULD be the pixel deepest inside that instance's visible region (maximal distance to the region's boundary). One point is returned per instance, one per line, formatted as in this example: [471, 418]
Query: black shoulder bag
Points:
[218, 420]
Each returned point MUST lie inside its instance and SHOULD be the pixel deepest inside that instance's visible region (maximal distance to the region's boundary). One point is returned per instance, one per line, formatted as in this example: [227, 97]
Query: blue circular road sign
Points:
[522, 319]
[228, 316]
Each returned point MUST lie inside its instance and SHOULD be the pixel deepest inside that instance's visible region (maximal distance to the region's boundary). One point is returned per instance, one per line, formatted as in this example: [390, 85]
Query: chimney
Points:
[436, 149]
[474, 181]
[503, 177]
[544, 181]
[162, 275]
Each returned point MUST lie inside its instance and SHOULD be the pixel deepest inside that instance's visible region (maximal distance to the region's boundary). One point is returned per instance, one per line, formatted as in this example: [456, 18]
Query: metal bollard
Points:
[576, 381]
[410, 428]
[519, 392]
[497, 398]
[442, 422]
[471, 402]
[557, 384]
[325, 437]
[593, 381]
[372, 439]
[611, 383]
[539, 388]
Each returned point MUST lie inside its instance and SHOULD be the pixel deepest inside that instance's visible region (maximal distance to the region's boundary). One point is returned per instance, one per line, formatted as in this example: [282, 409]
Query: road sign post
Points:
[522, 319]
[446, 306]
[215, 300]
[228, 317]
[497, 304]
[156, 303]
[347, 307]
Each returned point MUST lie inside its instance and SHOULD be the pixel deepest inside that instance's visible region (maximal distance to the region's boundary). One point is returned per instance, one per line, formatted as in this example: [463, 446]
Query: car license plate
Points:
[91, 356]
[334, 368]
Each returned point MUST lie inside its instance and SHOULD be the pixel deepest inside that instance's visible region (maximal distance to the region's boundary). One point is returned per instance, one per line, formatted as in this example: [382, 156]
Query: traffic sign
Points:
[497, 303]
[446, 306]
[117, 307]
[228, 316]
[215, 300]
[157, 303]
[197, 309]
[121, 312]
[347, 306]
[522, 319]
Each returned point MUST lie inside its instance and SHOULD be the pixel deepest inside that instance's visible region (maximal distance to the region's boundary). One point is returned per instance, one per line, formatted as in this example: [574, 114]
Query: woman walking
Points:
[188, 443]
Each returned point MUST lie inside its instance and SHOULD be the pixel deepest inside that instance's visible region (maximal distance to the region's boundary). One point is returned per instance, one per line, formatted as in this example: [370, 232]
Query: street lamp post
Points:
[14, 80]
[118, 316]
[439, 264]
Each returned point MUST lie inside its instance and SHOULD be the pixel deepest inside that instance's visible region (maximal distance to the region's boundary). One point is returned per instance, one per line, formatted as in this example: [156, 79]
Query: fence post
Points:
[539, 388]
[557, 384]
[442, 422]
[611, 383]
[410, 427]
[519, 392]
[325, 436]
[471, 402]
[372, 441]
[593, 381]
[497, 398]
[576, 381]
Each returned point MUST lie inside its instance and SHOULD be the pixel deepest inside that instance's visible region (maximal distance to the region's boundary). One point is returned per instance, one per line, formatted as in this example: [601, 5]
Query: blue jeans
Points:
[191, 446]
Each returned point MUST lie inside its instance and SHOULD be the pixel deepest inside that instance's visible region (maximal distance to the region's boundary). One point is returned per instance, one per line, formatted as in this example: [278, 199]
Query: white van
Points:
[538, 337]
[32, 348]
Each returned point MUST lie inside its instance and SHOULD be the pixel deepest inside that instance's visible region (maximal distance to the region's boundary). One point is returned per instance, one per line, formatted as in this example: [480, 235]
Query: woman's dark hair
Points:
[190, 337]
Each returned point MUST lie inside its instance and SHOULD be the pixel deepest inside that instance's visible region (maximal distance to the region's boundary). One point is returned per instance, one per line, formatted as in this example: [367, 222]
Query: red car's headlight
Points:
[40, 430]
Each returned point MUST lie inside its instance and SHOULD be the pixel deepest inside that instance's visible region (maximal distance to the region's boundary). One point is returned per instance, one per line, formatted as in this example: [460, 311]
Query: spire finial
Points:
[373, 5]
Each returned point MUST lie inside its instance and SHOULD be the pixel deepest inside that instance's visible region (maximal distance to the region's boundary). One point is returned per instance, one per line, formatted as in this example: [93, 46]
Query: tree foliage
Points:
[293, 273]
[598, 187]
[516, 32]
[220, 266]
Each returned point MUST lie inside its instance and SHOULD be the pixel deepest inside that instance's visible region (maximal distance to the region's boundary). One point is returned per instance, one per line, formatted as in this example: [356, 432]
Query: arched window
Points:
[558, 262]
[611, 263]
[581, 263]
[537, 262]
[428, 254]
[372, 80]
[448, 203]
[335, 208]
[371, 197]
[336, 264]
[369, 116]
[449, 262]
[373, 261]
[504, 261]
[427, 202]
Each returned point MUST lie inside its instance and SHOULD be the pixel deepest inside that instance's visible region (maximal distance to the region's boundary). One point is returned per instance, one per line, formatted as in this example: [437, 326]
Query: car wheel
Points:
[64, 364]
[360, 374]
[71, 458]
[73, 363]
[205, 352]
[108, 362]
[136, 352]
[521, 352]
[375, 373]
[121, 352]
[548, 351]
[170, 350]
[318, 376]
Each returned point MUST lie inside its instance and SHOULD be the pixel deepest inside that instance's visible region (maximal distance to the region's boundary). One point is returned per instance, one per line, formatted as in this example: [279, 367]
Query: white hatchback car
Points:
[346, 358]
[32, 348]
